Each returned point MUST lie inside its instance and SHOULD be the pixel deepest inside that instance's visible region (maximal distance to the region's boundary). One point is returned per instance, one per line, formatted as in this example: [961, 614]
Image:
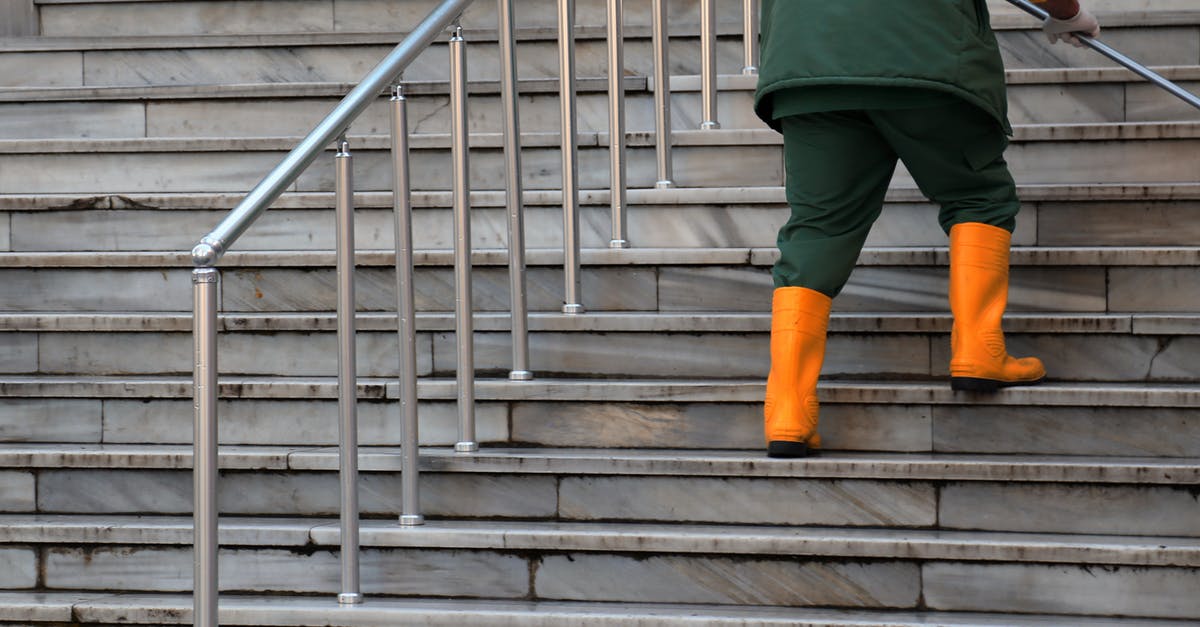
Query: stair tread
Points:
[614, 390]
[630, 322]
[870, 256]
[609, 536]
[680, 83]
[700, 463]
[774, 195]
[301, 610]
[1103, 131]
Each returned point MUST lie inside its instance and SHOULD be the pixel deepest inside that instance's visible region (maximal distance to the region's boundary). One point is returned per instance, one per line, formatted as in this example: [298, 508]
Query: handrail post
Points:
[205, 287]
[616, 123]
[662, 94]
[347, 373]
[406, 316]
[708, 64]
[570, 169]
[514, 194]
[463, 311]
[750, 37]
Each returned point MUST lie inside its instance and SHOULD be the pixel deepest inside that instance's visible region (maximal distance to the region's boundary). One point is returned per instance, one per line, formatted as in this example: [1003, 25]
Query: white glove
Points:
[1063, 30]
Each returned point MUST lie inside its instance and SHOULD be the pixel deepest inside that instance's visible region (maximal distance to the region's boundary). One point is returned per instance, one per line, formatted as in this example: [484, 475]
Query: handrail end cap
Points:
[205, 254]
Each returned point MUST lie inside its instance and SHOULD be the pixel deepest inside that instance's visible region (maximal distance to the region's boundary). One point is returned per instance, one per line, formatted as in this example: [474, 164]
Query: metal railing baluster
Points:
[464, 327]
[616, 123]
[406, 316]
[750, 37]
[708, 64]
[570, 171]
[514, 195]
[347, 373]
[662, 93]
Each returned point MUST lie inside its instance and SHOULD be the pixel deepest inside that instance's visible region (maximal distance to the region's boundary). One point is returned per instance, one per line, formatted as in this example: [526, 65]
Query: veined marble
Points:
[757, 501]
[682, 579]
[1071, 508]
[312, 422]
[1127, 431]
[50, 420]
[1066, 589]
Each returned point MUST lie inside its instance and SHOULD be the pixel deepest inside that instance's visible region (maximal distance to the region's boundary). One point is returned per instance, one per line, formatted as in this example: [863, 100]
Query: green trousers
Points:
[838, 165]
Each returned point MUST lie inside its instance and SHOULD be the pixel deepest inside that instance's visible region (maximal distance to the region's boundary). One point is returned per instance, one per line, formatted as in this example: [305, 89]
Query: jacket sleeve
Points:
[1060, 9]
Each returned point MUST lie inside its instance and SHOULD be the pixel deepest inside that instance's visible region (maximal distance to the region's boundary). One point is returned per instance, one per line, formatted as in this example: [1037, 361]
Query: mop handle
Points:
[1108, 51]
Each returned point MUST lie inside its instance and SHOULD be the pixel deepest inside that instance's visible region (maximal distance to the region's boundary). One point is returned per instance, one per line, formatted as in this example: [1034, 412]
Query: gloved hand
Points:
[1083, 22]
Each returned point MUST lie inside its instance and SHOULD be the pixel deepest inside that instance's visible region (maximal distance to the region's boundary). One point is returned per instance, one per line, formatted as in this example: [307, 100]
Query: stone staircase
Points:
[626, 485]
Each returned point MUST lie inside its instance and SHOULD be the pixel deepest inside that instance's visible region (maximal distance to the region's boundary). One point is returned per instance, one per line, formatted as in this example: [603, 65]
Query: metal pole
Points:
[515, 199]
[347, 373]
[464, 327]
[662, 94]
[616, 123]
[205, 284]
[750, 37]
[570, 169]
[708, 64]
[406, 316]
[1111, 53]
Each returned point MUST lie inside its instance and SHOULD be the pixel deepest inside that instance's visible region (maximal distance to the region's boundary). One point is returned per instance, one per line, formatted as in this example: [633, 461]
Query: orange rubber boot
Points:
[799, 319]
[978, 296]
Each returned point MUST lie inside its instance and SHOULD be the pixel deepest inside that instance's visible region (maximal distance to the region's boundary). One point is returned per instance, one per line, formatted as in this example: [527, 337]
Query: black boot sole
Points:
[788, 450]
[972, 384]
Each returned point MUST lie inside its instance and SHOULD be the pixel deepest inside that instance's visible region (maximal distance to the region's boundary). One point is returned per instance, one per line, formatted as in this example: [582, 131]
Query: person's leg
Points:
[956, 155]
[838, 170]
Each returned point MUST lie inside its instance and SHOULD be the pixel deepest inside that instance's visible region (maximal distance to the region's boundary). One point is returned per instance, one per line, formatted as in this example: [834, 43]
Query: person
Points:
[855, 86]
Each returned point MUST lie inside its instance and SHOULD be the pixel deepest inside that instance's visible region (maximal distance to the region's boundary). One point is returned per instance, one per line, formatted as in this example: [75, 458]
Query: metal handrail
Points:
[213, 246]
[206, 282]
[1115, 55]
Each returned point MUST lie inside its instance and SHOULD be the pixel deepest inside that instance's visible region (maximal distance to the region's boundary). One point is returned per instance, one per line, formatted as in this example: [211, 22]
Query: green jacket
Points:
[864, 45]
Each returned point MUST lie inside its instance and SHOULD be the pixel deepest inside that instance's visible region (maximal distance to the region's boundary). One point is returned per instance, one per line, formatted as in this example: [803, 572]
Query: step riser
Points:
[676, 226]
[695, 166]
[645, 288]
[1155, 46]
[1010, 506]
[1155, 592]
[334, 63]
[916, 356]
[242, 17]
[1028, 104]
[1041, 162]
[352, 16]
[957, 429]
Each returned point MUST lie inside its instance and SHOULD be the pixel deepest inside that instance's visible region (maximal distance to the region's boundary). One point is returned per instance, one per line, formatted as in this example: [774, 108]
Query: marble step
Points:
[334, 57]
[1092, 348]
[347, 57]
[915, 544]
[1004, 493]
[670, 562]
[1077, 280]
[1085, 153]
[224, 17]
[1053, 215]
[271, 109]
[1073, 420]
[604, 390]
[97, 609]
